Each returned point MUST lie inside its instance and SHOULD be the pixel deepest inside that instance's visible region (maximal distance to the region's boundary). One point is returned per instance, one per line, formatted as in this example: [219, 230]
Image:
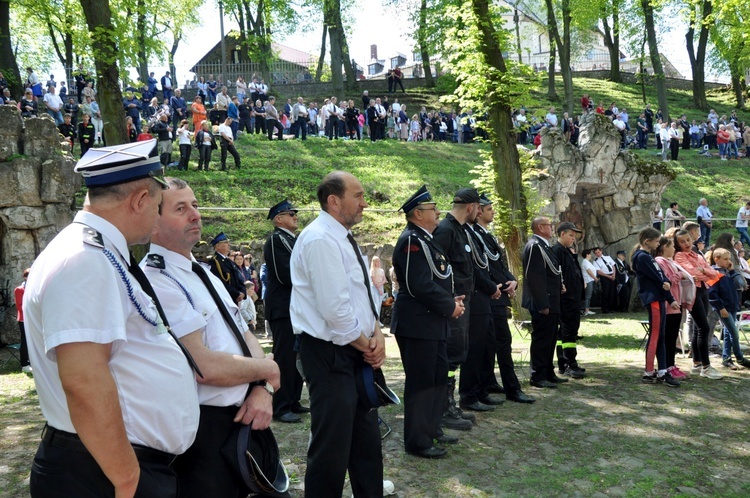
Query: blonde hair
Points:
[720, 252]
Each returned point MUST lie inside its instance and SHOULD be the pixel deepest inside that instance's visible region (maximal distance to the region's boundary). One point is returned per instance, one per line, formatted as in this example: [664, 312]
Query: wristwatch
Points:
[265, 385]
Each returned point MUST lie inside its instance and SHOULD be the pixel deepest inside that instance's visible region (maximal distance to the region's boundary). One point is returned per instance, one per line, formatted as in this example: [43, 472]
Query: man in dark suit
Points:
[500, 313]
[277, 253]
[624, 279]
[570, 301]
[420, 322]
[224, 268]
[542, 287]
[453, 239]
[373, 119]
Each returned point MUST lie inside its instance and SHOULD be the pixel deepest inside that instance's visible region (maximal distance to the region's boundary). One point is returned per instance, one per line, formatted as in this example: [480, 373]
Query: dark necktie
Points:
[198, 270]
[364, 272]
[136, 271]
[609, 268]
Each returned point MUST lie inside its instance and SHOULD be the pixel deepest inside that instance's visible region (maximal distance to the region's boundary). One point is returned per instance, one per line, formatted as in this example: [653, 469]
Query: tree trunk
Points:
[140, 36]
[517, 21]
[333, 21]
[653, 49]
[697, 60]
[351, 74]
[738, 87]
[551, 92]
[104, 50]
[505, 159]
[612, 41]
[563, 45]
[172, 51]
[321, 59]
[8, 64]
[422, 42]
[643, 71]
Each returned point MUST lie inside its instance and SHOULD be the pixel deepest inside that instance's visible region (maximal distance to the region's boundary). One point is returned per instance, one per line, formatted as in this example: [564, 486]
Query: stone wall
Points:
[37, 189]
[614, 191]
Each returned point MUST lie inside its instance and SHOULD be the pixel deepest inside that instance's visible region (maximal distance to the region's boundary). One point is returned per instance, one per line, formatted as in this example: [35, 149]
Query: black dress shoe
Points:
[477, 406]
[574, 373]
[300, 409]
[489, 400]
[521, 397]
[431, 452]
[543, 383]
[558, 380]
[288, 418]
[496, 389]
[446, 439]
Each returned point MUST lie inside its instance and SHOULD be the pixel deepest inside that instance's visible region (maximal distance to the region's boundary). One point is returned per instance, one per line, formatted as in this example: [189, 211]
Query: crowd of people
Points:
[728, 135]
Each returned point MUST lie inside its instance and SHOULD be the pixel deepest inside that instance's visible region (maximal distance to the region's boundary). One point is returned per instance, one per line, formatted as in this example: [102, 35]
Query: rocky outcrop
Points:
[37, 190]
[614, 191]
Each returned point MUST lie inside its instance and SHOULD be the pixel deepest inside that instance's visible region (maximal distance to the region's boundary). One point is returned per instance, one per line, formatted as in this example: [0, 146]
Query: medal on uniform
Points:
[467, 247]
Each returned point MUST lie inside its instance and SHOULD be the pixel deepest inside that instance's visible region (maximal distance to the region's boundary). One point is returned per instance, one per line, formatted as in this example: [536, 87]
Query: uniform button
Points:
[205, 313]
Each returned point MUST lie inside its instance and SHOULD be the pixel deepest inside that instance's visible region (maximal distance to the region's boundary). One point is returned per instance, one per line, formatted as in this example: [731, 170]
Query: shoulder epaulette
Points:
[92, 237]
[156, 261]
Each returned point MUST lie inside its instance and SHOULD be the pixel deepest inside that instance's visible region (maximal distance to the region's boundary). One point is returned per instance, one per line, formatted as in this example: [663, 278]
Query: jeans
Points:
[589, 292]
[731, 339]
[706, 234]
[744, 237]
[57, 116]
[722, 149]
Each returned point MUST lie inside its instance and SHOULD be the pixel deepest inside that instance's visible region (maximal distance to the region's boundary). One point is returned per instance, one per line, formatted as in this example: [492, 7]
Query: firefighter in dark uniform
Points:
[277, 252]
[542, 287]
[451, 236]
[224, 268]
[472, 386]
[570, 301]
[420, 322]
[500, 313]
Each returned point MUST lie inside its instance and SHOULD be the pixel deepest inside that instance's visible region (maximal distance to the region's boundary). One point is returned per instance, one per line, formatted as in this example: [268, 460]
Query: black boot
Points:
[452, 416]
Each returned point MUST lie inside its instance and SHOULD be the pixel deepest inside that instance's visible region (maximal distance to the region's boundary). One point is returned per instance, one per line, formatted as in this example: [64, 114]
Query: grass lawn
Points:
[606, 435]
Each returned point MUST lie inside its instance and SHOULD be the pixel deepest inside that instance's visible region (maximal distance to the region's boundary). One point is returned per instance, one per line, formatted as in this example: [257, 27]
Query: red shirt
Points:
[584, 102]
[18, 295]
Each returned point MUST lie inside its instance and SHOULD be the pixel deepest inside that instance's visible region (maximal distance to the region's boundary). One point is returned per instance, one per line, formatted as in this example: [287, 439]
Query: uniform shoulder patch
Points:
[92, 237]
[156, 261]
[412, 248]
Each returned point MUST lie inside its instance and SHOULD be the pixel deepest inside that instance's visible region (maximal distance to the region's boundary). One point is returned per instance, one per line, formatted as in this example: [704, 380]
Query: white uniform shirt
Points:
[203, 314]
[53, 101]
[742, 222]
[75, 294]
[601, 264]
[587, 265]
[329, 292]
[225, 130]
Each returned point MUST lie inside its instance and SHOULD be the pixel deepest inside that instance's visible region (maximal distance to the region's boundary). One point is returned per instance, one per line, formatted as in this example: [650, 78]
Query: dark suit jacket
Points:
[541, 287]
[425, 302]
[450, 235]
[223, 268]
[277, 252]
[484, 286]
[572, 276]
[498, 268]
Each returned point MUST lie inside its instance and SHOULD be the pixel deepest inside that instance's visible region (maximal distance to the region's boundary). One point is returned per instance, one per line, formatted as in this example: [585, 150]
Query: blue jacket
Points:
[723, 294]
[650, 279]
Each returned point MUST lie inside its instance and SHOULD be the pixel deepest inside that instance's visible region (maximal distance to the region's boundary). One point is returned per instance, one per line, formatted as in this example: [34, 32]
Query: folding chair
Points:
[522, 364]
[644, 341]
[15, 352]
[743, 324]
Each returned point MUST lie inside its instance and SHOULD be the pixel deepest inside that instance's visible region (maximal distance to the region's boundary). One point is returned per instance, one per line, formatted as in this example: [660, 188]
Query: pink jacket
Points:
[672, 271]
[697, 266]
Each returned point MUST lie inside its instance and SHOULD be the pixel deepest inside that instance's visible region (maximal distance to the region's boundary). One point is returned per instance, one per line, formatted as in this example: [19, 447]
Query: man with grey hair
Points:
[704, 217]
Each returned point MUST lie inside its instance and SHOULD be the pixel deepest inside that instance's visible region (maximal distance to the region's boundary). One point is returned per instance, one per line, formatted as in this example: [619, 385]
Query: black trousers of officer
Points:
[301, 127]
[481, 343]
[332, 127]
[201, 470]
[543, 337]
[272, 124]
[503, 349]
[426, 368]
[458, 341]
[288, 395]
[226, 146]
[570, 322]
[61, 469]
[609, 294]
[623, 297]
[345, 435]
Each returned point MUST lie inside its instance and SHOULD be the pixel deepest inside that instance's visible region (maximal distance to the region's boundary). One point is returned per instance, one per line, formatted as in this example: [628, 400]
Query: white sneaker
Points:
[589, 312]
[696, 369]
[711, 373]
[27, 369]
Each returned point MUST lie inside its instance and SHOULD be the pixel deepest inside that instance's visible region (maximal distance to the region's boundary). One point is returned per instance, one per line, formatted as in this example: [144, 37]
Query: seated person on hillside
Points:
[620, 125]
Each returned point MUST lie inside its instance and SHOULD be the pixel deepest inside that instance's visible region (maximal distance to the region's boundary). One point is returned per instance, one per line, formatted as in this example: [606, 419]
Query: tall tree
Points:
[563, 48]
[700, 14]
[422, 43]
[647, 7]
[488, 82]
[8, 64]
[105, 51]
[612, 37]
[551, 61]
[731, 45]
[339, 47]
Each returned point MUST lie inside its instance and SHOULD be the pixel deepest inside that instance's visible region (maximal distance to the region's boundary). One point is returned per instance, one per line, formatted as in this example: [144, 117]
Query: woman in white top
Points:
[241, 88]
[664, 137]
[186, 147]
[378, 280]
[589, 278]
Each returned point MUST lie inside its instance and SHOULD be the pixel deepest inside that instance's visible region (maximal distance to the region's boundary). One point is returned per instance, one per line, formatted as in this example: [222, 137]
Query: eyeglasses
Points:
[433, 208]
[293, 214]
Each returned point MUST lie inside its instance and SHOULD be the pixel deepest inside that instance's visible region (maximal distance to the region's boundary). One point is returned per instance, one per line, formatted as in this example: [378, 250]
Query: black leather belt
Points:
[69, 441]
